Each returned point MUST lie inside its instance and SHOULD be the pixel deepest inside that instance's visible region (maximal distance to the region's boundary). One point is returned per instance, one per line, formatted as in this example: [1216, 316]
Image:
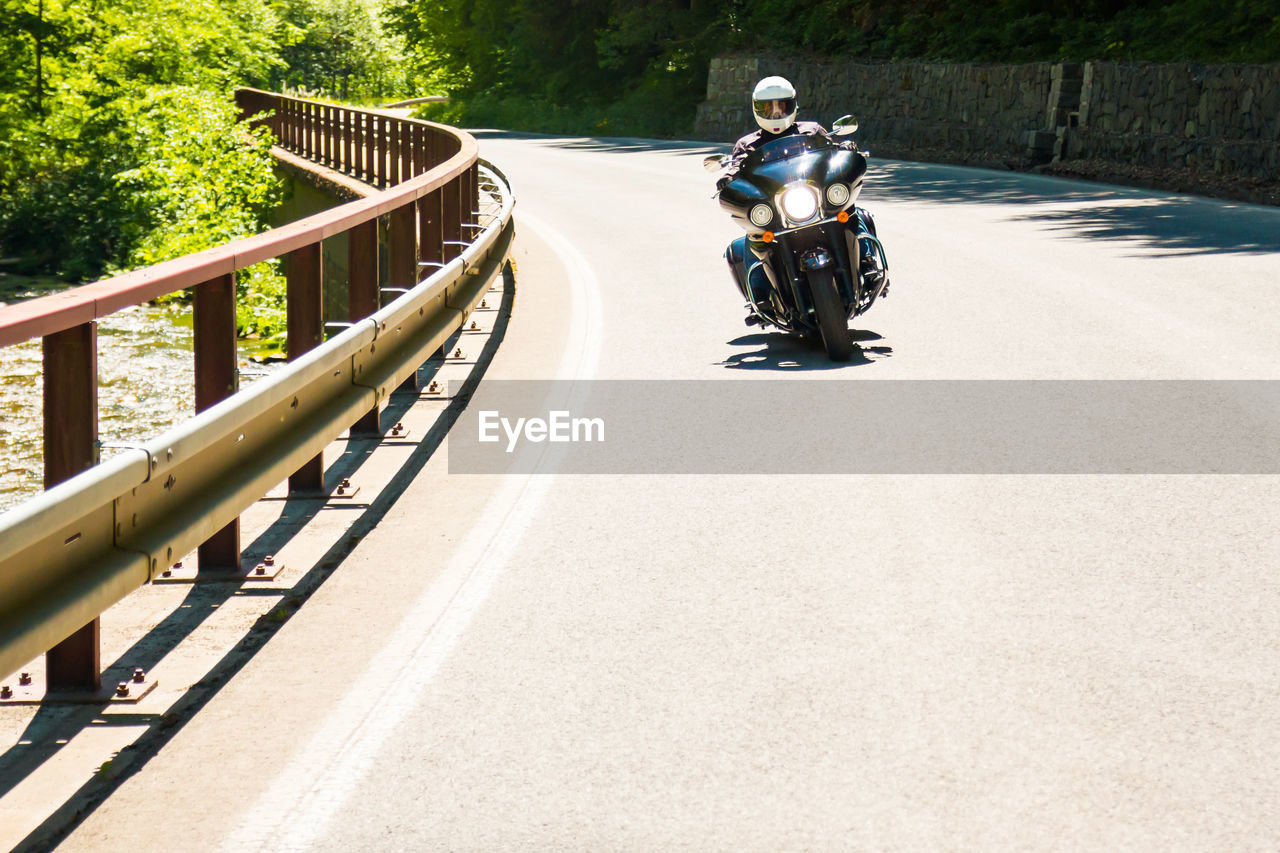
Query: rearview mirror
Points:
[714, 163]
[844, 126]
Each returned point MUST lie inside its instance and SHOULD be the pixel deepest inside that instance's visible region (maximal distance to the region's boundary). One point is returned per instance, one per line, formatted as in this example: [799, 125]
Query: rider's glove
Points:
[723, 182]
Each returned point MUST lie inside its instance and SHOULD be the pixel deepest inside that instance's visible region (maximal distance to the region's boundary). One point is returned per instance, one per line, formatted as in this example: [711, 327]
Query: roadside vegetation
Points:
[639, 67]
[119, 140]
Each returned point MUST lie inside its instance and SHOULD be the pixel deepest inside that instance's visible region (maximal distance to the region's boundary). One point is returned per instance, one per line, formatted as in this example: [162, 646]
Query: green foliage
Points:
[341, 47]
[260, 303]
[95, 175]
[1017, 30]
[119, 145]
[202, 178]
[590, 66]
[565, 65]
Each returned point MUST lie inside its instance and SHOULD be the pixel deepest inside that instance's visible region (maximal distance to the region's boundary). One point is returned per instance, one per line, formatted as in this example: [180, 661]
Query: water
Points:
[146, 384]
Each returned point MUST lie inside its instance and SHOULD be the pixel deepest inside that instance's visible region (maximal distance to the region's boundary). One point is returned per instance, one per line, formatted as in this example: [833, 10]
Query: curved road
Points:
[657, 661]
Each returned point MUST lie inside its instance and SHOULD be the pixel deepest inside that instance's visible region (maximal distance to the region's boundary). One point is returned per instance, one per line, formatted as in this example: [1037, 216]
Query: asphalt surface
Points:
[742, 662]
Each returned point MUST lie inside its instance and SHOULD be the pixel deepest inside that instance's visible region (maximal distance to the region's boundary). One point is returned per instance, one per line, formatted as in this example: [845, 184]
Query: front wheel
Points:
[833, 324]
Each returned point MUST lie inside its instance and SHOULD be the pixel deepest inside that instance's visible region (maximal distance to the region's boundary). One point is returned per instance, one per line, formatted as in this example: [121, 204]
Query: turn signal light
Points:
[842, 216]
[768, 237]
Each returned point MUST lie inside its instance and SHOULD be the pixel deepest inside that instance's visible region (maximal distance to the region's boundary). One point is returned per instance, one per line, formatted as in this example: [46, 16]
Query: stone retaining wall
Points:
[1223, 119]
[904, 108]
[1197, 120]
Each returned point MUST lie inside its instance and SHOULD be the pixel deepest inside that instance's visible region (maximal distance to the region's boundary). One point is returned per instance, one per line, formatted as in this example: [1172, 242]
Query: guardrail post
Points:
[299, 128]
[216, 379]
[396, 149]
[341, 162]
[338, 128]
[417, 158]
[353, 164]
[310, 110]
[305, 323]
[471, 207]
[362, 297]
[380, 151]
[334, 135]
[70, 440]
[452, 218]
[322, 135]
[370, 149]
[402, 258]
[431, 228]
[402, 249]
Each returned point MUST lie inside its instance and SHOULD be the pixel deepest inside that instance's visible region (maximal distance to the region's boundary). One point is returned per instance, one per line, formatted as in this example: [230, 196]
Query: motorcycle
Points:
[810, 260]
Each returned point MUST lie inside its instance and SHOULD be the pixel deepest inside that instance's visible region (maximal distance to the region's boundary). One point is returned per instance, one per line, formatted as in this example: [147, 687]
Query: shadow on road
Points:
[54, 725]
[1176, 224]
[898, 179]
[786, 353]
[620, 145]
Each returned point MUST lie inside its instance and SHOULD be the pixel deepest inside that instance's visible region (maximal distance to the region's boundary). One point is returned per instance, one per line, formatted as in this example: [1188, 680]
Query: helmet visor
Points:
[772, 109]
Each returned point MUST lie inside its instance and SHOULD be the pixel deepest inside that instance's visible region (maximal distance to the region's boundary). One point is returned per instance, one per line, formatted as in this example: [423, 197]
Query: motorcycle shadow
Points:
[788, 353]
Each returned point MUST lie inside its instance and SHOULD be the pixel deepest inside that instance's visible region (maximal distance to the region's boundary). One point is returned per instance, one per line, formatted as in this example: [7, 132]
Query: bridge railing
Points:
[101, 530]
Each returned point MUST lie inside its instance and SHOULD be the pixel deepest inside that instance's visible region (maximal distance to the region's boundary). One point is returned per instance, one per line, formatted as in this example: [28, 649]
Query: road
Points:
[651, 661]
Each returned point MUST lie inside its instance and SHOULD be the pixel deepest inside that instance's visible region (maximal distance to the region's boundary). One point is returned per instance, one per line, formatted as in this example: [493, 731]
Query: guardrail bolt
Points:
[484, 303]
[457, 353]
[269, 560]
[122, 689]
[474, 326]
[139, 675]
[24, 678]
[260, 569]
[166, 573]
[397, 429]
[6, 692]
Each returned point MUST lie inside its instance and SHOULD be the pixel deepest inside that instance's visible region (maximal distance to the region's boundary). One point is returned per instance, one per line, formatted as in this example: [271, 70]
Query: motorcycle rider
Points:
[773, 104]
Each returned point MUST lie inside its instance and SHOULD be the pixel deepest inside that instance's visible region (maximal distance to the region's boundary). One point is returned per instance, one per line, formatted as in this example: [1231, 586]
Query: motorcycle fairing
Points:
[811, 159]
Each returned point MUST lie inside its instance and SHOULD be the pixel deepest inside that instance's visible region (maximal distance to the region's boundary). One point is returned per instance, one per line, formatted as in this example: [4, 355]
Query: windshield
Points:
[791, 146]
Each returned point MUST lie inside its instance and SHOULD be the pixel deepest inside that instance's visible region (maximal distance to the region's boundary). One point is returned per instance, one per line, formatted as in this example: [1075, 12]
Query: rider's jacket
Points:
[751, 141]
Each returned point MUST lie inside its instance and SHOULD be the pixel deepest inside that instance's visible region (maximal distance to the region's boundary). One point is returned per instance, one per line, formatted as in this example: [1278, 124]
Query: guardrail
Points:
[102, 530]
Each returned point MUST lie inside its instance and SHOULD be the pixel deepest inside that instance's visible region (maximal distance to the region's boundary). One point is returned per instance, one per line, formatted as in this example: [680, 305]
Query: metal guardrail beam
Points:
[78, 548]
[81, 546]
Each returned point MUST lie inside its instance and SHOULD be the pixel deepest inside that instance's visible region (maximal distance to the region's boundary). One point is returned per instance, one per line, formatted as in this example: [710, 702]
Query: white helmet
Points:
[774, 104]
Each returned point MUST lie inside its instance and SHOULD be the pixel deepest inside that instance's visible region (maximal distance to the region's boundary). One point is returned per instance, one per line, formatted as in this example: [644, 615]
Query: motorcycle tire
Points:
[833, 324]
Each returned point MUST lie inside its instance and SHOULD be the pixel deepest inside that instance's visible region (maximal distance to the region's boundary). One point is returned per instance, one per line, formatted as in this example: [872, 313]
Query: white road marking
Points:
[302, 800]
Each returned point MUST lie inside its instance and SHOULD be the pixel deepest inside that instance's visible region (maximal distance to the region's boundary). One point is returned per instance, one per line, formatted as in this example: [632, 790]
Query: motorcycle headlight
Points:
[838, 195]
[800, 203]
[761, 215]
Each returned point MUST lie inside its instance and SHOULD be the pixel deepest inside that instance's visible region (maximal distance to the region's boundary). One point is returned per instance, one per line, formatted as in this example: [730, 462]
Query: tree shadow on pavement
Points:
[1172, 227]
[788, 354]
[621, 145]
[1170, 224]
[909, 181]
